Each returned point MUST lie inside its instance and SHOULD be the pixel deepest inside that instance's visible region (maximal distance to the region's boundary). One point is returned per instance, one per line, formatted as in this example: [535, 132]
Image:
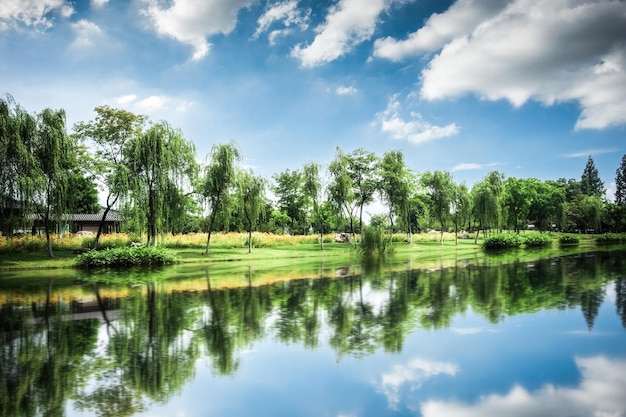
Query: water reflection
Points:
[599, 393]
[111, 349]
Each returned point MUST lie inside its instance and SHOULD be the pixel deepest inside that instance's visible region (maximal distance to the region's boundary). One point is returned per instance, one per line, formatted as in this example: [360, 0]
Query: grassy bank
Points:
[26, 253]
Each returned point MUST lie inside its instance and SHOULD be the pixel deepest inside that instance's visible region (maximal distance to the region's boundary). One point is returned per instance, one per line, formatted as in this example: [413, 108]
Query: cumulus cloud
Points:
[346, 90]
[153, 104]
[412, 374]
[348, 23]
[415, 130]
[469, 166]
[286, 12]
[38, 14]
[545, 50]
[98, 4]
[600, 393]
[460, 19]
[87, 33]
[192, 22]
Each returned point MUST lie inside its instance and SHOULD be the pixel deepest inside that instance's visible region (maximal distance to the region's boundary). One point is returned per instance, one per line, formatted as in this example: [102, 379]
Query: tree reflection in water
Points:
[148, 351]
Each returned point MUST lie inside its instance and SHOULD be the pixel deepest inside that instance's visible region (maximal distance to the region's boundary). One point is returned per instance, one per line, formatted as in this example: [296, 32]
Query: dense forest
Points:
[150, 173]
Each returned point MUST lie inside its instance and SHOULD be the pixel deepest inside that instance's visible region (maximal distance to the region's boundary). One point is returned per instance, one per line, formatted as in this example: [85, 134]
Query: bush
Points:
[373, 241]
[126, 257]
[537, 240]
[609, 238]
[569, 240]
[502, 241]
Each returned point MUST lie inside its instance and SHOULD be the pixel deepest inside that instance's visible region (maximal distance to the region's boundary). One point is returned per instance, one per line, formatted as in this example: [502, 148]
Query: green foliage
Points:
[503, 241]
[609, 238]
[620, 183]
[537, 240]
[137, 256]
[591, 184]
[569, 240]
[373, 242]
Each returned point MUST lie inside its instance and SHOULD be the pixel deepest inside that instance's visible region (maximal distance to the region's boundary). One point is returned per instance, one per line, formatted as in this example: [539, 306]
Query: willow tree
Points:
[108, 134]
[54, 151]
[18, 130]
[486, 199]
[160, 164]
[394, 184]
[251, 196]
[361, 166]
[441, 190]
[312, 185]
[219, 179]
[341, 188]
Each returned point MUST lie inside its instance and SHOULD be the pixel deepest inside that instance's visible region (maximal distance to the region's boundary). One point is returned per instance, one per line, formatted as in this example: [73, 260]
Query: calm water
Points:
[545, 338]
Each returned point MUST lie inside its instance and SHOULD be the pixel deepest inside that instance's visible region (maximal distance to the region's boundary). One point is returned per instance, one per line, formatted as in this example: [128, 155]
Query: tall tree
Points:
[341, 188]
[219, 178]
[441, 190]
[18, 131]
[517, 198]
[251, 193]
[590, 180]
[394, 184]
[54, 151]
[461, 208]
[108, 134]
[312, 186]
[161, 162]
[486, 197]
[620, 183]
[291, 199]
[361, 166]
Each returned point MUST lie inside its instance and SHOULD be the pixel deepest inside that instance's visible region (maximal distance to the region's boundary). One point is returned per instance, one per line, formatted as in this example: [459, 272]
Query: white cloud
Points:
[412, 374]
[347, 24]
[600, 393]
[125, 99]
[585, 154]
[191, 22]
[98, 4]
[440, 28]
[288, 13]
[544, 50]
[152, 103]
[346, 91]
[86, 33]
[34, 13]
[465, 166]
[415, 130]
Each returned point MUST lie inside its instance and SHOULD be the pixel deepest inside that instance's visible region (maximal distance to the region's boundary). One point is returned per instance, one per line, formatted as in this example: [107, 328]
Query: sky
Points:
[530, 88]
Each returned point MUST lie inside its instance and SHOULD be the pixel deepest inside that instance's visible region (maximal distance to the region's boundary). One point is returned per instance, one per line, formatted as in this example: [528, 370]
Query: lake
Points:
[484, 337]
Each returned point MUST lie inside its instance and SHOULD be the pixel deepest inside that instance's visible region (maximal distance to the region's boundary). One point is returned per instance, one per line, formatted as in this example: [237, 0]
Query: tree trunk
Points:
[208, 240]
[101, 225]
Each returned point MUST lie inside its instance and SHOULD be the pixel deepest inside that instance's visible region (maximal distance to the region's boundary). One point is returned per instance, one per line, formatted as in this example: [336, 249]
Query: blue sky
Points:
[527, 87]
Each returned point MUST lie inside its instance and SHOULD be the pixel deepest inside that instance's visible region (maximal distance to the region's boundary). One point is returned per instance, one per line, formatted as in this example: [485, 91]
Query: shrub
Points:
[537, 240]
[502, 241]
[125, 257]
[569, 240]
[373, 241]
[609, 238]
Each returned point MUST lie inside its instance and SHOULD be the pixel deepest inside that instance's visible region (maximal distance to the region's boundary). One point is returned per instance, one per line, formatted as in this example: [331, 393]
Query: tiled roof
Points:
[112, 216]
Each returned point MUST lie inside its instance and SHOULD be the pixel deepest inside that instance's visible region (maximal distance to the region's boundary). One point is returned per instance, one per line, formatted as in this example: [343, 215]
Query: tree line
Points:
[150, 172]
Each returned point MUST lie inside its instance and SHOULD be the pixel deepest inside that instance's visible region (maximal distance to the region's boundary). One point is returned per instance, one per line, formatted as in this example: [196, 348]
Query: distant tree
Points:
[620, 183]
[441, 190]
[160, 162]
[109, 134]
[54, 151]
[461, 208]
[394, 184]
[291, 199]
[590, 180]
[486, 200]
[547, 204]
[341, 188]
[251, 196]
[85, 194]
[361, 166]
[312, 186]
[219, 178]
